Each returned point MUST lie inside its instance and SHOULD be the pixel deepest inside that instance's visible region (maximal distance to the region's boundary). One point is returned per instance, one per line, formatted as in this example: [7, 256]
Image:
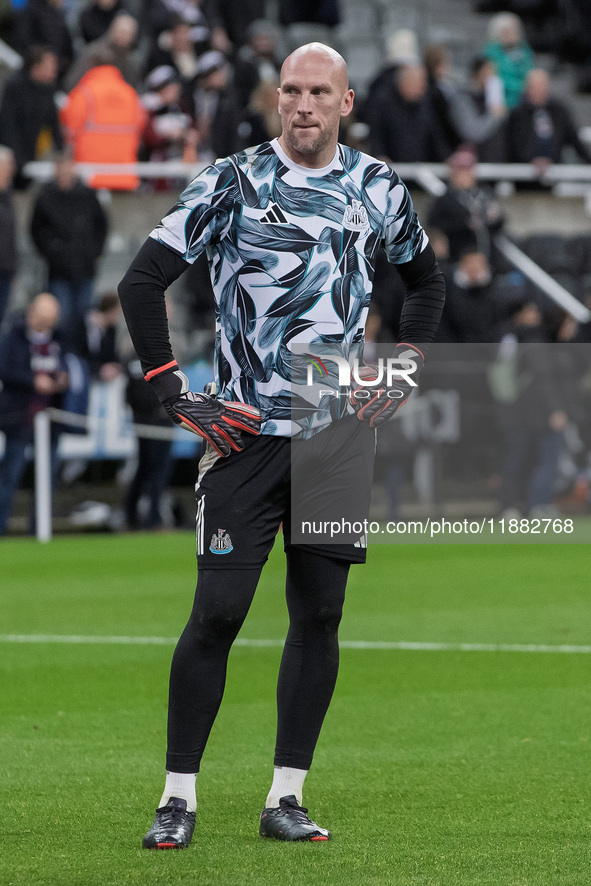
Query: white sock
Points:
[286, 781]
[181, 785]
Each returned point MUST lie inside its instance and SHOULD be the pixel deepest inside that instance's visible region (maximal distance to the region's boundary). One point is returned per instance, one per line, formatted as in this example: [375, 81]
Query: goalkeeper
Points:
[290, 229]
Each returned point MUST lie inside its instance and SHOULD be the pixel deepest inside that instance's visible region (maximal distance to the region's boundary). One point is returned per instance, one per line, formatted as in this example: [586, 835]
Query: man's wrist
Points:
[168, 381]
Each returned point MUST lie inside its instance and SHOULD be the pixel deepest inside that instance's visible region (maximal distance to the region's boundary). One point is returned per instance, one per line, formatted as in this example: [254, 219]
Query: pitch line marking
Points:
[410, 646]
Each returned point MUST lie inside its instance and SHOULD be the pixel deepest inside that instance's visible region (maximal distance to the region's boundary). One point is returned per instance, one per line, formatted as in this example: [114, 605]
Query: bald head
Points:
[123, 31]
[43, 313]
[538, 86]
[317, 54]
[313, 97]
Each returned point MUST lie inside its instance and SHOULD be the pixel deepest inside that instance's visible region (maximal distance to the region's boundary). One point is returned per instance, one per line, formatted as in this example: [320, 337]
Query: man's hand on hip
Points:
[375, 404]
[220, 422]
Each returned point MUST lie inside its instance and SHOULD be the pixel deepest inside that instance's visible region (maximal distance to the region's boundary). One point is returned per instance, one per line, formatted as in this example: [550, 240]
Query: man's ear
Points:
[347, 105]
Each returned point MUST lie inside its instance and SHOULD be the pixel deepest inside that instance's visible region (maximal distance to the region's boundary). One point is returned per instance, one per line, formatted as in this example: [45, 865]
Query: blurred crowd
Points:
[116, 81]
[122, 80]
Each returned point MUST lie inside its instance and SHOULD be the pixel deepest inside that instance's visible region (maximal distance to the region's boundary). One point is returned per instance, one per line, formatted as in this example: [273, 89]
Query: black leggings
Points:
[315, 591]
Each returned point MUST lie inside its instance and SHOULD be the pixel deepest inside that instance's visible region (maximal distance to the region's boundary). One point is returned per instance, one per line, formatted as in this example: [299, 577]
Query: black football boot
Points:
[290, 822]
[173, 826]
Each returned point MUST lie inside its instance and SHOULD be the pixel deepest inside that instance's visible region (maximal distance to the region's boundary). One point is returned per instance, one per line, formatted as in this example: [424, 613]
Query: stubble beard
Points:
[304, 146]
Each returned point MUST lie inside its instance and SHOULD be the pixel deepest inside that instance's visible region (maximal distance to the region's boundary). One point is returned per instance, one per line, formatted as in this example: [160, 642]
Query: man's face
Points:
[463, 177]
[170, 94]
[475, 266]
[538, 87]
[65, 174]
[313, 97]
[412, 83]
[43, 313]
[181, 38]
[217, 80]
[46, 70]
[263, 45]
[123, 32]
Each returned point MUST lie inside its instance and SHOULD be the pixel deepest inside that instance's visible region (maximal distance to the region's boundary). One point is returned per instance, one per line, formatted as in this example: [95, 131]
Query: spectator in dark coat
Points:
[154, 456]
[33, 376]
[441, 89]
[474, 306]
[116, 47]
[257, 60]
[95, 19]
[260, 121]
[403, 127]
[69, 228]
[98, 342]
[175, 49]
[8, 252]
[487, 93]
[28, 114]
[154, 459]
[202, 16]
[532, 416]
[216, 108]
[464, 115]
[237, 17]
[402, 49]
[43, 23]
[169, 132]
[541, 126]
[468, 214]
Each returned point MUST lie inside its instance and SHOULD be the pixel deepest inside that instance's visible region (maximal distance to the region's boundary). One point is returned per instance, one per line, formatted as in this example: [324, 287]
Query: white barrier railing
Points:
[42, 442]
[9, 57]
[42, 430]
[421, 173]
[42, 450]
[43, 170]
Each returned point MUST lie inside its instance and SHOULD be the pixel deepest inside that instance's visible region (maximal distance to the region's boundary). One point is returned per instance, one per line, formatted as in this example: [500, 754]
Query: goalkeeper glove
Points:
[220, 422]
[377, 404]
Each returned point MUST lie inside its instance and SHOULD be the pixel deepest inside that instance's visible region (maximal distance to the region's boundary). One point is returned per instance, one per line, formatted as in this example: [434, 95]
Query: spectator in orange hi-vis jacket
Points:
[103, 120]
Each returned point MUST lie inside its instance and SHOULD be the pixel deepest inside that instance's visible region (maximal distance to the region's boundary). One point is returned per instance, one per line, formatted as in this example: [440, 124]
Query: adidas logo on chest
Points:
[274, 216]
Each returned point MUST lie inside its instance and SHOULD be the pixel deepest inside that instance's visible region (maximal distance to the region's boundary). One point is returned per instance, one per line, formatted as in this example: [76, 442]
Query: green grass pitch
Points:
[439, 768]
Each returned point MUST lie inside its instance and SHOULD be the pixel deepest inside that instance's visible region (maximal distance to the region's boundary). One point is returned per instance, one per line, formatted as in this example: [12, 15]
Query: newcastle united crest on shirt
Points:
[355, 217]
[221, 543]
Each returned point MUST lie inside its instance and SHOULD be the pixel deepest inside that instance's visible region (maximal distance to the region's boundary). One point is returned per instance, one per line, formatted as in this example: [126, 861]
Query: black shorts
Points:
[313, 487]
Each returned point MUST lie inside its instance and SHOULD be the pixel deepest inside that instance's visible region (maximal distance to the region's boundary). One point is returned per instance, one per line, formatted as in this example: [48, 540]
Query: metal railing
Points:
[421, 173]
[430, 176]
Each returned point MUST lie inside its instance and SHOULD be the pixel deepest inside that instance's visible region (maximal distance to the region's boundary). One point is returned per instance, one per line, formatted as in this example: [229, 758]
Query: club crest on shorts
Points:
[355, 217]
[221, 543]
